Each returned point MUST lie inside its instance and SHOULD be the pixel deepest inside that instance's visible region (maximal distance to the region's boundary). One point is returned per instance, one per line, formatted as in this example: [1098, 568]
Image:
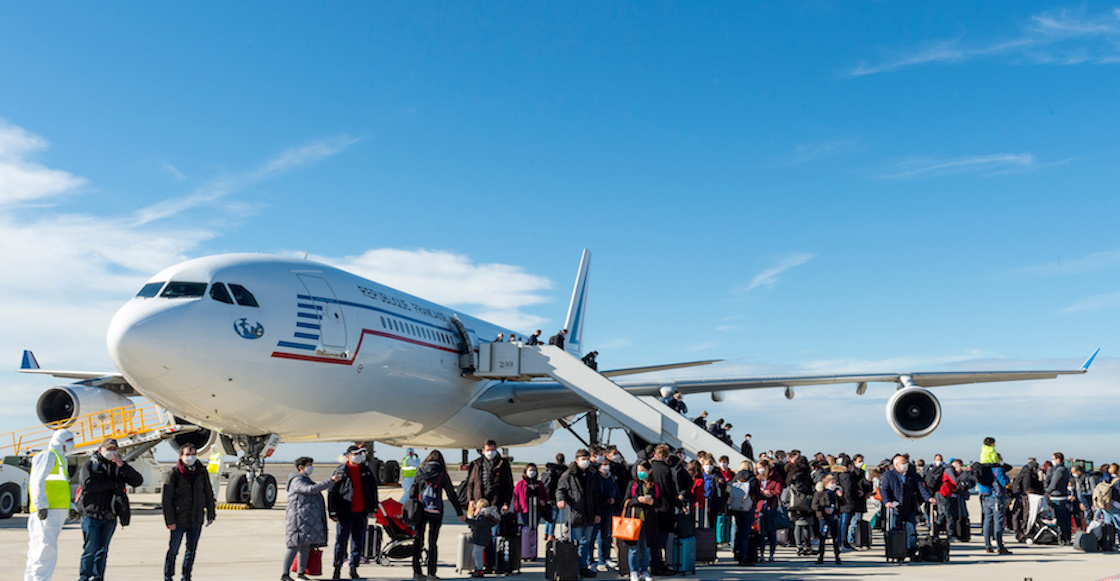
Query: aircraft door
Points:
[332, 331]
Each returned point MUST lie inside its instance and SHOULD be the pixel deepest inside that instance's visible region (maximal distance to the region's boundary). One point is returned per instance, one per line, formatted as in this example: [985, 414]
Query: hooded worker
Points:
[409, 464]
[49, 489]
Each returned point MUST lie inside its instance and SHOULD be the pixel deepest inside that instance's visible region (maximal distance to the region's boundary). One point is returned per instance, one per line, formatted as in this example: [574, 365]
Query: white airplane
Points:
[268, 348]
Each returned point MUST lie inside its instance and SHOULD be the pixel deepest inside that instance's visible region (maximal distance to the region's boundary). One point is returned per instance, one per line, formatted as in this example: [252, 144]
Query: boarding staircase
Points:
[648, 419]
[142, 424]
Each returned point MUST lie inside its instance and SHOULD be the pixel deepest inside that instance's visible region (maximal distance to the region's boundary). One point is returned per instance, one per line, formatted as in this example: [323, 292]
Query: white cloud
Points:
[992, 164]
[22, 180]
[1102, 302]
[770, 276]
[1055, 38]
[495, 292]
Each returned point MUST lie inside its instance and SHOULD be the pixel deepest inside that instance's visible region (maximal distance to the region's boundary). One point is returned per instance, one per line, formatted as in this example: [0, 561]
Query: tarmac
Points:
[249, 545]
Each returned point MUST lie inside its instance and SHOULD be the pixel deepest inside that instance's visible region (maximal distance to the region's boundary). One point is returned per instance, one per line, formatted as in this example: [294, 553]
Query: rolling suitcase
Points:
[962, 526]
[933, 549]
[507, 555]
[863, 534]
[723, 529]
[561, 561]
[682, 552]
[464, 560]
[705, 539]
[372, 548]
[1108, 537]
[528, 544]
[895, 539]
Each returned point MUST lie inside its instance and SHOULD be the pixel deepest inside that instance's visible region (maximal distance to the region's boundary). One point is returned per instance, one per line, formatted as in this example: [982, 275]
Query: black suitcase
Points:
[372, 548]
[1108, 537]
[706, 546]
[754, 547]
[963, 530]
[863, 534]
[561, 561]
[933, 549]
[894, 539]
[507, 555]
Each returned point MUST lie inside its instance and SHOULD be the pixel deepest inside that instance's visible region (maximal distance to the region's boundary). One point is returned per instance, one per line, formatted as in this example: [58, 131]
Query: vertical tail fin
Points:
[29, 361]
[578, 307]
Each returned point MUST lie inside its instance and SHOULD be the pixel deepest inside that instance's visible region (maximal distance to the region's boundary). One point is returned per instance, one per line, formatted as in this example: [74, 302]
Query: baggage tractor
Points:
[528, 544]
[372, 548]
[1085, 542]
[507, 555]
[561, 561]
[622, 553]
[682, 554]
[863, 534]
[894, 538]
[464, 560]
[723, 529]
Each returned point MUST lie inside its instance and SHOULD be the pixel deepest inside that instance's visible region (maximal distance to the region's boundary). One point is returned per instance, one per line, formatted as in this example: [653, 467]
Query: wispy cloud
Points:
[770, 276]
[987, 164]
[222, 187]
[21, 179]
[495, 292]
[1094, 262]
[1056, 38]
[1104, 302]
[174, 171]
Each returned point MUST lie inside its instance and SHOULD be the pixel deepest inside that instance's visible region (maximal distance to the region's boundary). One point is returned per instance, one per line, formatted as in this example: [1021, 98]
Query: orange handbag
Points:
[626, 528]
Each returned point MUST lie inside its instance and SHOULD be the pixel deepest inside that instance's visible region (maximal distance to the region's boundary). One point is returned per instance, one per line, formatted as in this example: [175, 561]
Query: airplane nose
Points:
[146, 344]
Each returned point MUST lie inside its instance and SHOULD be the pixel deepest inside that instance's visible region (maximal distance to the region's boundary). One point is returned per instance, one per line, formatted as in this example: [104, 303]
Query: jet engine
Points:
[913, 412]
[65, 403]
[202, 438]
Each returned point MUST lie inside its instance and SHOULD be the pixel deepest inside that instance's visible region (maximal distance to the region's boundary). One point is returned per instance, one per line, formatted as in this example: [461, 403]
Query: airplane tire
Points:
[237, 489]
[264, 491]
[9, 500]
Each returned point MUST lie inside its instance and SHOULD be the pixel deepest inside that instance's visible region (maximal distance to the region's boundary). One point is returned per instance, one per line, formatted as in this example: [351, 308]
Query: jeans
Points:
[744, 520]
[351, 528]
[431, 521]
[303, 552]
[829, 527]
[767, 530]
[96, 532]
[603, 534]
[994, 508]
[582, 536]
[845, 524]
[192, 534]
[1061, 512]
[639, 554]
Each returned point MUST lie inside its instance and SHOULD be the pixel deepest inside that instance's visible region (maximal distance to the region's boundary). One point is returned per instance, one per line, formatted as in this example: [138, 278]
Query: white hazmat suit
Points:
[48, 513]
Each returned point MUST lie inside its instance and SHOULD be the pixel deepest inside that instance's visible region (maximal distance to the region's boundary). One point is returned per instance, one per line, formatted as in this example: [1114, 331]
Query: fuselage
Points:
[255, 344]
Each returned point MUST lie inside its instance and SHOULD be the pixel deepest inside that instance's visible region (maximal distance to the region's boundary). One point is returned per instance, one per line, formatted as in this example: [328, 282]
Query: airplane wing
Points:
[652, 368]
[112, 381]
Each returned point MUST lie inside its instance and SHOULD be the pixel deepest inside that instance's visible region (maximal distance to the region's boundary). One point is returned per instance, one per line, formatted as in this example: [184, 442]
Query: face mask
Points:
[190, 459]
[831, 487]
[616, 458]
[531, 474]
[723, 465]
[490, 454]
[110, 455]
[598, 459]
[905, 466]
[308, 469]
[583, 463]
[707, 468]
[642, 475]
[358, 459]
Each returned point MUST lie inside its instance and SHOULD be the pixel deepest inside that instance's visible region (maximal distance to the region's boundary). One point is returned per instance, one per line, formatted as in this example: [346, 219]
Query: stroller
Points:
[1042, 527]
[401, 538]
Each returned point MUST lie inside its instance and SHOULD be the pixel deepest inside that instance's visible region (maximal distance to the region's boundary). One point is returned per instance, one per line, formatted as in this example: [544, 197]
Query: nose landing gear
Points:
[255, 488]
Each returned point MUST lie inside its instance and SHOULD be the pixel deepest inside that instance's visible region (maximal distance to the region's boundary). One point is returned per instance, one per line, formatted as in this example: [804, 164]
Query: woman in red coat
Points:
[769, 491]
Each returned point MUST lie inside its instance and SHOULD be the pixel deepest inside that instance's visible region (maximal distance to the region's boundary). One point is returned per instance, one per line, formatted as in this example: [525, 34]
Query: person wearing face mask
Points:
[305, 518]
[641, 502]
[610, 505]
[350, 501]
[49, 490]
[578, 492]
[429, 487]
[769, 491]
[619, 467]
[102, 500]
[188, 500]
[490, 477]
[530, 502]
[903, 493]
[826, 503]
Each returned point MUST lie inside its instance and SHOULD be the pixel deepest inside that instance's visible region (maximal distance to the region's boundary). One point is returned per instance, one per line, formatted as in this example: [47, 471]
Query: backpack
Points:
[982, 474]
[933, 477]
[429, 495]
[799, 501]
[1102, 495]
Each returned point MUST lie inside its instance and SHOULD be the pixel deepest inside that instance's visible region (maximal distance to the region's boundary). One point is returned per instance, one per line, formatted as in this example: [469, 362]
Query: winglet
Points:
[1090, 361]
[29, 361]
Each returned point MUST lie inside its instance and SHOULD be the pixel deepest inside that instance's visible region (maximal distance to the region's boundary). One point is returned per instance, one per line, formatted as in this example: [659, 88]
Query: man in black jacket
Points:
[669, 501]
[746, 449]
[103, 498]
[187, 500]
[350, 501]
[578, 492]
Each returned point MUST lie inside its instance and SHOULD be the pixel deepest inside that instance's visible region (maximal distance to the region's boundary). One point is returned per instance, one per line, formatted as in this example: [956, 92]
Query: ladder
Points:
[650, 420]
[130, 425]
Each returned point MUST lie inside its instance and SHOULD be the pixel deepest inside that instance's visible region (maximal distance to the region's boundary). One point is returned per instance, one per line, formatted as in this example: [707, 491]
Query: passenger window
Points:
[219, 293]
[243, 296]
[183, 290]
[150, 290]
[382, 322]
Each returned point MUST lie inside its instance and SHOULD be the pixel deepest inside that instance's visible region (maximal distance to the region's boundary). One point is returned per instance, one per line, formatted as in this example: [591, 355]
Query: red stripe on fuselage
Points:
[361, 339]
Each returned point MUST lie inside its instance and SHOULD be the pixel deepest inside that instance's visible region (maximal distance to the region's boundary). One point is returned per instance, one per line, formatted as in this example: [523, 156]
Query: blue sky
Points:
[790, 187]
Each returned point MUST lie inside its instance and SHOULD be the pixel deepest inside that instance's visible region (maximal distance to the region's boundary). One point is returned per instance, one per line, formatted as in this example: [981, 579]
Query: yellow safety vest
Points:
[407, 471]
[215, 464]
[57, 485]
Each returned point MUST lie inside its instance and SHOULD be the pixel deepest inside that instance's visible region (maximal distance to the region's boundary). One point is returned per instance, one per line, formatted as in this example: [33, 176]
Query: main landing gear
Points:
[255, 488]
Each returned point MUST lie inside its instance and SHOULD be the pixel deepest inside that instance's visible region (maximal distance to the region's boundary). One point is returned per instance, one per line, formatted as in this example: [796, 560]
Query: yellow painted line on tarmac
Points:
[231, 506]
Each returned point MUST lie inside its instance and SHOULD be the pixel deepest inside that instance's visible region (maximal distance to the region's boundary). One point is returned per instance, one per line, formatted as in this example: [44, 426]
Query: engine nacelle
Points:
[65, 403]
[202, 438]
[913, 412]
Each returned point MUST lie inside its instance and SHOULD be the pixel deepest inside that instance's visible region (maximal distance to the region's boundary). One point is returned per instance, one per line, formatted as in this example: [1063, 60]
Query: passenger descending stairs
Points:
[647, 418]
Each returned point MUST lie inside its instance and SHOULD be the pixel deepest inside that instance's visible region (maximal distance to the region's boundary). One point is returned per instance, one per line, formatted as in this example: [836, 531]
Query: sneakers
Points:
[647, 577]
[612, 563]
[602, 568]
[286, 577]
[303, 577]
[634, 576]
[477, 574]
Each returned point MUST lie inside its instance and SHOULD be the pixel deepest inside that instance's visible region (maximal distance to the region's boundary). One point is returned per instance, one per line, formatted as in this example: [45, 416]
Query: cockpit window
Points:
[150, 290]
[183, 290]
[242, 296]
[219, 293]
